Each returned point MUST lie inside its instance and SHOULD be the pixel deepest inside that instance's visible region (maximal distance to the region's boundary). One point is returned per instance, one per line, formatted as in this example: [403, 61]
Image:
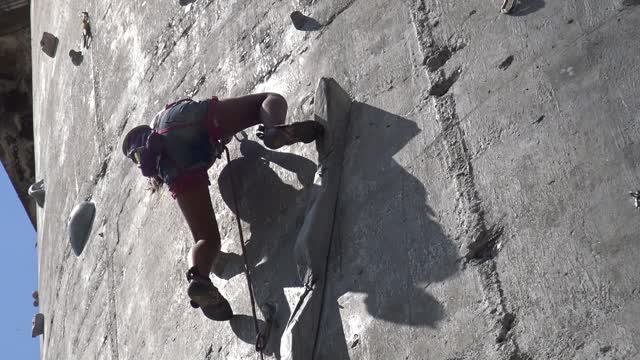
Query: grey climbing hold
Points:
[298, 19]
[304, 23]
[636, 197]
[36, 191]
[80, 223]
[508, 6]
[37, 325]
[76, 57]
[49, 44]
[36, 300]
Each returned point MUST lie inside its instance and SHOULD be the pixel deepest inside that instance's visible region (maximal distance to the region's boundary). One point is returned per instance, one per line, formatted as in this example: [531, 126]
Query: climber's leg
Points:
[196, 207]
[236, 114]
[269, 110]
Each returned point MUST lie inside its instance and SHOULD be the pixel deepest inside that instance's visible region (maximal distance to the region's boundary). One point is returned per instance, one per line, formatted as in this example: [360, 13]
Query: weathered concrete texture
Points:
[482, 211]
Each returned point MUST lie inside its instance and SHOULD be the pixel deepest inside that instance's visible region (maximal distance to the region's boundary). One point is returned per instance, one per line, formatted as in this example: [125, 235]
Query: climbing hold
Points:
[298, 19]
[37, 325]
[508, 6]
[355, 341]
[506, 63]
[636, 197]
[35, 298]
[36, 191]
[80, 222]
[49, 44]
[304, 23]
[76, 57]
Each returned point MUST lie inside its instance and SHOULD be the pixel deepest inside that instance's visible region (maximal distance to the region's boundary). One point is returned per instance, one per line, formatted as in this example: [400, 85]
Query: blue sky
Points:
[18, 276]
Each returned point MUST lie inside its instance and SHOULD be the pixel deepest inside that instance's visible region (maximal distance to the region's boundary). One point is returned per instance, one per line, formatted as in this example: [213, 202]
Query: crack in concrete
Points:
[125, 120]
[196, 87]
[184, 77]
[112, 314]
[273, 69]
[481, 241]
[436, 53]
[338, 13]
[496, 309]
[106, 12]
[161, 51]
[441, 82]
[469, 209]
[486, 245]
[95, 80]
[112, 320]
[102, 149]
[332, 18]
[102, 169]
[440, 57]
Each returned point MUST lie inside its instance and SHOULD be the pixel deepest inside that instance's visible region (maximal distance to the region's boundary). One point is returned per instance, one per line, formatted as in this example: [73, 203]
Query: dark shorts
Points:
[190, 136]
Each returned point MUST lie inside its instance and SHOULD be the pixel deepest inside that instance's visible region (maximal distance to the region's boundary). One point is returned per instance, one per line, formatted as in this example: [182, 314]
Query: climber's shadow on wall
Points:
[274, 211]
[389, 245]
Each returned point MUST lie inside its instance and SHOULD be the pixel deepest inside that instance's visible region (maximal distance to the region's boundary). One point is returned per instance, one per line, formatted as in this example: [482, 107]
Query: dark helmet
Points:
[135, 137]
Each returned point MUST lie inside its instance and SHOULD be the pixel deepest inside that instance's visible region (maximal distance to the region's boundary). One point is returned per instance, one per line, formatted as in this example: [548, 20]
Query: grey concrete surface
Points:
[483, 209]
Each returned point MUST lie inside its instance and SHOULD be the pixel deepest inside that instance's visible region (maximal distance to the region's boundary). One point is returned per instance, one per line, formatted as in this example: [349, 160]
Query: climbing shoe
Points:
[205, 295]
[282, 135]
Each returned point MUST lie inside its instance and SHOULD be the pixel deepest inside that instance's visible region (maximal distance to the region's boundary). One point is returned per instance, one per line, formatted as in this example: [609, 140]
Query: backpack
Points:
[150, 155]
[151, 147]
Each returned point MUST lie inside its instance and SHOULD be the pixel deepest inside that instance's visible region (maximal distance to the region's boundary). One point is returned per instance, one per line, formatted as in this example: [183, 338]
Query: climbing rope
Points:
[260, 342]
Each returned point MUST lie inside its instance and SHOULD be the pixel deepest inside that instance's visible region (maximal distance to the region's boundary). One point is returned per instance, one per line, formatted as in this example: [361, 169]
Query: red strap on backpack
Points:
[169, 106]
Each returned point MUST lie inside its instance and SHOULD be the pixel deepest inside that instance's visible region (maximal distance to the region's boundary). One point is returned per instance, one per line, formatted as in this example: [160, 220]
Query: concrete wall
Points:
[483, 209]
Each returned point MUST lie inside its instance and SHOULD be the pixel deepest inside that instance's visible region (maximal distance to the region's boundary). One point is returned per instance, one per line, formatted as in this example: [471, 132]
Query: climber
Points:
[87, 36]
[182, 142]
